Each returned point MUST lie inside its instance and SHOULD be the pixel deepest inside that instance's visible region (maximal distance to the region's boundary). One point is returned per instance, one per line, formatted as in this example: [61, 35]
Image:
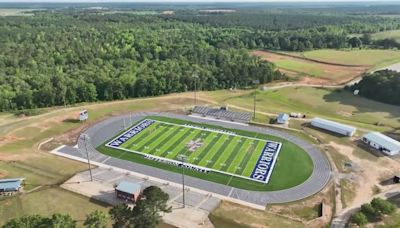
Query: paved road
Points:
[107, 129]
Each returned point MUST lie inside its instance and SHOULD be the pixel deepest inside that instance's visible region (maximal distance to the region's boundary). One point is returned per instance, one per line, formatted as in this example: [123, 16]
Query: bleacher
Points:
[219, 113]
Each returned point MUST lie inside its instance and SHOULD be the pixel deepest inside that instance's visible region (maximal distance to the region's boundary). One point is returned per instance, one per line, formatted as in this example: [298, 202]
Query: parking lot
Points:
[101, 188]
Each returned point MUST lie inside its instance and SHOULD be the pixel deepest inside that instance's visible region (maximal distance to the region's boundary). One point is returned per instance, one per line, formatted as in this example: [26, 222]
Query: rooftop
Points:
[334, 124]
[383, 140]
[10, 184]
[129, 187]
[283, 117]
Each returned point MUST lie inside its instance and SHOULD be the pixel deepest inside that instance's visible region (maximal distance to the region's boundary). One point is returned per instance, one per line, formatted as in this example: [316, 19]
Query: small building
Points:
[83, 115]
[282, 118]
[128, 191]
[382, 142]
[333, 126]
[10, 186]
[297, 115]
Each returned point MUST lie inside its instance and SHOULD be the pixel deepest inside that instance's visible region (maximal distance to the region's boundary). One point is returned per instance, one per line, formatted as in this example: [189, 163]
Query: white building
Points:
[333, 126]
[382, 142]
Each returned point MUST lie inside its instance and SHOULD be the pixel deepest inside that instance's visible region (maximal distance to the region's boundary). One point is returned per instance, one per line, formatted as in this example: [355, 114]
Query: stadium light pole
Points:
[87, 155]
[182, 158]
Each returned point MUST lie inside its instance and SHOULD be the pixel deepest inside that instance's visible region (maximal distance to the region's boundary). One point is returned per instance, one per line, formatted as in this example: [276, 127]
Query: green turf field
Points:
[213, 149]
[227, 152]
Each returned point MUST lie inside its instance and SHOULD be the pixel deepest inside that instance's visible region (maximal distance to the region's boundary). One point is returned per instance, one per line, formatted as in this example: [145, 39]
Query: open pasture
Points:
[370, 57]
[328, 103]
[315, 72]
[391, 34]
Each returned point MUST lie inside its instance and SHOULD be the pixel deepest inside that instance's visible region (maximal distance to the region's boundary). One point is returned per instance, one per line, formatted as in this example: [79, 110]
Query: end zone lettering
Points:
[266, 161]
[130, 133]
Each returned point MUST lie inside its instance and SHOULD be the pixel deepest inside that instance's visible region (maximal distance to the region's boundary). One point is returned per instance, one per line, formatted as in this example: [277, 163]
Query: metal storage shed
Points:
[282, 118]
[333, 126]
[10, 185]
[382, 142]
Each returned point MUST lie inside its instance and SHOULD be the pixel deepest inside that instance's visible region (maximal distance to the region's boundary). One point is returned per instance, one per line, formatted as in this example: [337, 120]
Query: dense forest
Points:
[57, 59]
[61, 57]
[381, 86]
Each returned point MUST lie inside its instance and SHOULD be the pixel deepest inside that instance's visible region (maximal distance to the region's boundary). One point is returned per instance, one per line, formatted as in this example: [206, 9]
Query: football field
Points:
[203, 149]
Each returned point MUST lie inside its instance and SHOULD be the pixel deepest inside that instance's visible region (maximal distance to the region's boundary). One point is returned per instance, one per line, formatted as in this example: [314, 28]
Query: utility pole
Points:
[255, 98]
[183, 158]
[195, 88]
[254, 106]
[87, 155]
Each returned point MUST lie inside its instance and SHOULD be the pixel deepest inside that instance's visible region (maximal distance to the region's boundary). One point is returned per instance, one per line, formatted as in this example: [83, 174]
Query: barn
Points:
[332, 126]
[128, 191]
[382, 142]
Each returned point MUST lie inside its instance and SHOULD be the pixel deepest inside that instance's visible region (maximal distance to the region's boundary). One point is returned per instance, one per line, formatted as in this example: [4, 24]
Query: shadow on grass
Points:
[360, 103]
[395, 200]
[71, 121]
[360, 144]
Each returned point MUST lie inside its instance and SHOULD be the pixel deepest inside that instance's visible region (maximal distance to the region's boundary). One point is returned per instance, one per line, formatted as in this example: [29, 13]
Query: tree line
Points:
[68, 57]
[383, 86]
[64, 57]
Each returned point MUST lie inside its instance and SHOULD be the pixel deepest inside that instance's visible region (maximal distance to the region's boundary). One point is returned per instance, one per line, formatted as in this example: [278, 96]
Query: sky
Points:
[14, 1]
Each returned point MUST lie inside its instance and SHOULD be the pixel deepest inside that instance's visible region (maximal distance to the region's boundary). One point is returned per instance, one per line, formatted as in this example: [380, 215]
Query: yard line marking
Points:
[105, 160]
[230, 192]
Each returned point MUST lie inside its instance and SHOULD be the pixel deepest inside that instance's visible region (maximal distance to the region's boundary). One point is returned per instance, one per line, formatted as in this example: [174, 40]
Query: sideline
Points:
[98, 164]
[44, 142]
[219, 120]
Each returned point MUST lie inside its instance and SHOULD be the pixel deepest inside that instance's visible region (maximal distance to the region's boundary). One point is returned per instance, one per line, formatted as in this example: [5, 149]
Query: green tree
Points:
[355, 42]
[145, 213]
[61, 221]
[359, 218]
[121, 215]
[29, 221]
[383, 206]
[366, 39]
[369, 211]
[96, 219]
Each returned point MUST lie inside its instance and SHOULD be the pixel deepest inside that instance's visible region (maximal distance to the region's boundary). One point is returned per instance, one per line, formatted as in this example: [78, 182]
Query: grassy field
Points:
[300, 68]
[15, 12]
[323, 102]
[20, 157]
[48, 201]
[392, 34]
[372, 58]
[229, 215]
[292, 168]
[19, 137]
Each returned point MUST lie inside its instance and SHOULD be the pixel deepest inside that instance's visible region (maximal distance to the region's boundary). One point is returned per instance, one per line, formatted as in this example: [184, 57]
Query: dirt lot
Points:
[312, 72]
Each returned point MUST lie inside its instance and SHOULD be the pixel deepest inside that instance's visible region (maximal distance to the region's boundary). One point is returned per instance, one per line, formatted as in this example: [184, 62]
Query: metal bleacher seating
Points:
[243, 117]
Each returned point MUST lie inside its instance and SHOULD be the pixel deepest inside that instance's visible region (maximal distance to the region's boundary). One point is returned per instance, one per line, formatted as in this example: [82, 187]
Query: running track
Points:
[108, 128]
